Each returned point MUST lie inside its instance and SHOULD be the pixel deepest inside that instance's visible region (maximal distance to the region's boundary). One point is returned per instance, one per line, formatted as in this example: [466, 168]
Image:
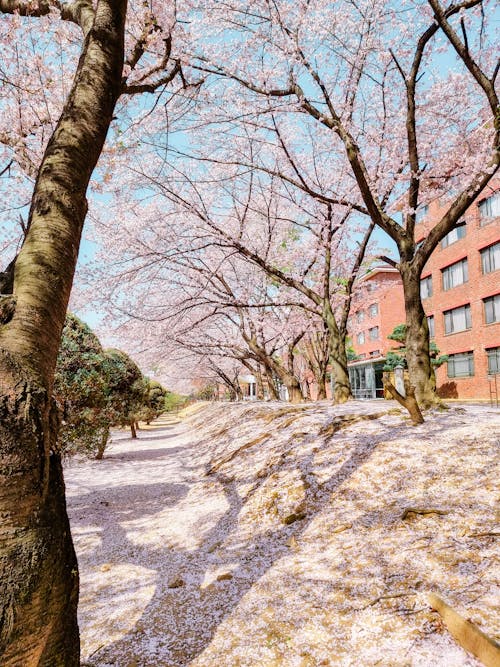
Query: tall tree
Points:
[38, 569]
[372, 75]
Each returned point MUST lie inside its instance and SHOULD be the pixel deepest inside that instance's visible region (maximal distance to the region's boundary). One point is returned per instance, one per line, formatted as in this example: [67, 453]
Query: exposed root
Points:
[344, 421]
[422, 510]
[226, 459]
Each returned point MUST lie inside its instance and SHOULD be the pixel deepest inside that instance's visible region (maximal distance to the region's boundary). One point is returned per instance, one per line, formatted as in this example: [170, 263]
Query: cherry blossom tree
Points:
[52, 141]
[378, 80]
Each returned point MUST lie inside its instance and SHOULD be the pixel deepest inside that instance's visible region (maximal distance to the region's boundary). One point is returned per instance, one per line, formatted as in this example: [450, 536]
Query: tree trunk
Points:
[338, 362]
[260, 385]
[38, 568]
[409, 401]
[338, 359]
[321, 384]
[420, 370]
[294, 391]
[102, 444]
[133, 432]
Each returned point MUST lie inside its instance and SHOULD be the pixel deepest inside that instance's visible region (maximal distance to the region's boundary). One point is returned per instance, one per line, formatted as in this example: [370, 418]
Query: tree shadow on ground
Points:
[190, 613]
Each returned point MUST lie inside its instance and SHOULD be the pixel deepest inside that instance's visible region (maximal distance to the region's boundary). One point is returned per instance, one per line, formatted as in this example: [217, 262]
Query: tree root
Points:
[466, 633]
[226, 459]
[421, 510]
[389, 596]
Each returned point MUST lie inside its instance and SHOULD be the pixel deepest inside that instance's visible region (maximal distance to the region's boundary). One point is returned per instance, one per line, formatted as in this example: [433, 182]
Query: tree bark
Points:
[420, 370]
[133, 432]
[102, 444]
[38, 569]
[321, 384]
[409, 401]
[338, 361]
[294, 391]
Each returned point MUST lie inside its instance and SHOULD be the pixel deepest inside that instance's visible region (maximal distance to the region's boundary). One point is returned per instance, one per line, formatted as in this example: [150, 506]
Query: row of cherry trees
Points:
[252, 146]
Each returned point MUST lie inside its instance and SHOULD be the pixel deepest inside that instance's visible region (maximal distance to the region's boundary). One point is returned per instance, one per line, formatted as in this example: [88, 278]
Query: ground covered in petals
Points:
[263, 534]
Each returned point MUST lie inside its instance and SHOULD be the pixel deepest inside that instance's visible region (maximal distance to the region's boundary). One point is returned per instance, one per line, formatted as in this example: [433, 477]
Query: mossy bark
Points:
[38, 569]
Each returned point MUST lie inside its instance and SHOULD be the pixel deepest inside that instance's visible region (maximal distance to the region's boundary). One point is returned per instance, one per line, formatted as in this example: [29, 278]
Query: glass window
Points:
[489, 208]
[457, 319]
[493, 355]
[492, 309]
[375, 353]
[373, 333]
[490, 258]
[361, 337]
[373, 309]
[430, 324]
[360, 315]
[455, 274]
[454, 235]
[426, 287]
[421, 213]
[461, 365]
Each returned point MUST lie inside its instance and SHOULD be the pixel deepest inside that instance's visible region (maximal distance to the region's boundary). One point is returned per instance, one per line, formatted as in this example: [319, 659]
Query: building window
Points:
[361, 337]
[375, 353]
[362, 356]
[457, 319]
[461, 365]
[360, 315]
[492, 309]
[455, 274]
[373, 333]
[373, 309]
[426, 287]
[489, 208]
[490, 258]
[493, 355]
[455, 235]
[430, 324]
[421, 213]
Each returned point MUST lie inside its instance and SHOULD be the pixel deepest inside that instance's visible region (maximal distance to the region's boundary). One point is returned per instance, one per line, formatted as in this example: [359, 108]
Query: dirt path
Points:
[263, 536]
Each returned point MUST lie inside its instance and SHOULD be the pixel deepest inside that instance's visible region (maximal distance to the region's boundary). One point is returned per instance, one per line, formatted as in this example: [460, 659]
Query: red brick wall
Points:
[389, 296]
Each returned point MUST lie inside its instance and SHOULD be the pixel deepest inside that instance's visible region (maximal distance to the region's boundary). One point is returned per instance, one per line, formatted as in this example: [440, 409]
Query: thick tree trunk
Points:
[294, 391]
[38, 569]
[338, 358]
[260, 385]
[420, 370]
[342, 389]
[321, 383]
[102, 444]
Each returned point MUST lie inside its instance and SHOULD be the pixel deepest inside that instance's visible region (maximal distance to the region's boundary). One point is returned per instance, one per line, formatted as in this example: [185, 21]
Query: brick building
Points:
[460, 290]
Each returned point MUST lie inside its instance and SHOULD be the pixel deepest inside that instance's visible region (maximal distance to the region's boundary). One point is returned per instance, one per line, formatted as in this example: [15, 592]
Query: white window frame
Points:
[492, 312]
[449, 319]
[490, 258]
[361, 338]
[374, 333]
[489, 208]
[426, 287]
[431, 326]
[459, 232]
[455, 274]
